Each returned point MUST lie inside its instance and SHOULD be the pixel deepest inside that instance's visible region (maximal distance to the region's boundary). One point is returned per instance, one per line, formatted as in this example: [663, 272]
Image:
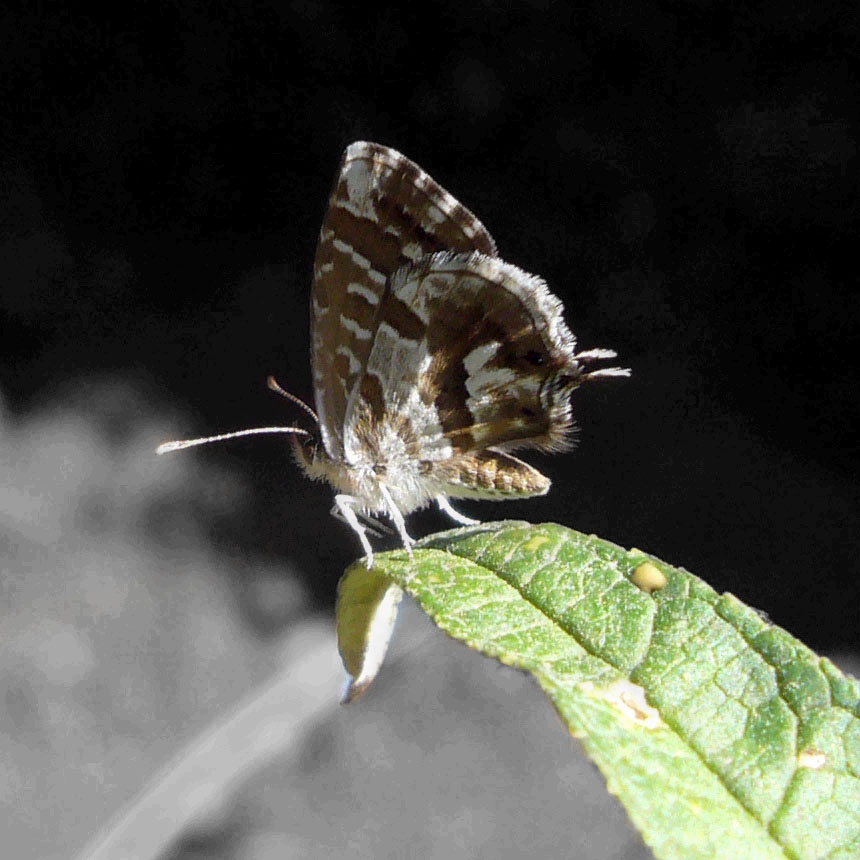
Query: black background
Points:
[684, 175]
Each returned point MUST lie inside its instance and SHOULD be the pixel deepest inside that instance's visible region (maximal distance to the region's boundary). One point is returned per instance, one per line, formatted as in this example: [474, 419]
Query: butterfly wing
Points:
[474, 356]
[384, 212]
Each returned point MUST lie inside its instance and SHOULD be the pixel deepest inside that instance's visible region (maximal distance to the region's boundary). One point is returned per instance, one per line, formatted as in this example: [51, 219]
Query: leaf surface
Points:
[721, 734]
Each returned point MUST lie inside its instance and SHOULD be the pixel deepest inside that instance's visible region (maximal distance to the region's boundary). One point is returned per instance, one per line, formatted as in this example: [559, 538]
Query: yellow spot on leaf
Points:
[648, 577]
[535, 542]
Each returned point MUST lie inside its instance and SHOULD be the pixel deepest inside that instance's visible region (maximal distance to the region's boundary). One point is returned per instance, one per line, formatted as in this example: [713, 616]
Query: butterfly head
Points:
[309, 452]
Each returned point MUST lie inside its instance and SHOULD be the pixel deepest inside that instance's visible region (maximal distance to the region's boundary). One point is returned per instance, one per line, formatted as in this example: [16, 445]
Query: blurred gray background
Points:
[685, 177]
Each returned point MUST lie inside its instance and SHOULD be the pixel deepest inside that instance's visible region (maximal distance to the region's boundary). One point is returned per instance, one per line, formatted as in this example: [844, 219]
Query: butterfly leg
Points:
[397, 517]
[445, 505]
[344, 509]
[372, 526]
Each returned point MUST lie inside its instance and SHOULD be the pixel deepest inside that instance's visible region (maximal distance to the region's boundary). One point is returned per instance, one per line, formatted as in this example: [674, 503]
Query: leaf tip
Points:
[355, 688]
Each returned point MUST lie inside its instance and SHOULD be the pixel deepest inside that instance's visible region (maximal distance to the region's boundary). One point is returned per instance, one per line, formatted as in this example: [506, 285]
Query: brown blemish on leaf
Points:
[811, 759]
[629, 700]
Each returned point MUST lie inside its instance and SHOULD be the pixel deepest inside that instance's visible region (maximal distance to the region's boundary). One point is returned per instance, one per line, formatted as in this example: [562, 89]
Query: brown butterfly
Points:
[432, 358]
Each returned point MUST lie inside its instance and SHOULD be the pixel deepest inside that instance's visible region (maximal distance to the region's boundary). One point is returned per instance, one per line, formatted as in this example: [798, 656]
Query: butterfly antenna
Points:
[273, 386]
[599, 355]
[205, 440]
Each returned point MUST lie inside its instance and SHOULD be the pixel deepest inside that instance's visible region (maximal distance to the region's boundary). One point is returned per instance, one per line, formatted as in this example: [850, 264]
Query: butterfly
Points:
[432, 358]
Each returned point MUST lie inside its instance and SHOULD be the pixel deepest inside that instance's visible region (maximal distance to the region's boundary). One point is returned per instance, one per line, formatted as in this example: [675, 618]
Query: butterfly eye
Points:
[534, 357]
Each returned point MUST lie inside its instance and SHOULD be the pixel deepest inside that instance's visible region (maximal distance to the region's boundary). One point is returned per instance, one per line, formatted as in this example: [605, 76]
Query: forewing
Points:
[384, 212]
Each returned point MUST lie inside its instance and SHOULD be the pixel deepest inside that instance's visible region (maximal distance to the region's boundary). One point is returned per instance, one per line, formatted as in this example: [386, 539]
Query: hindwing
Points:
[475, 354]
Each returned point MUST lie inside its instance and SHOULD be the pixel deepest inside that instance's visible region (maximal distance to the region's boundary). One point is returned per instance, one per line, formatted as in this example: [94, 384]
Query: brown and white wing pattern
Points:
[384, 212]
[474, 357]
[432, 358]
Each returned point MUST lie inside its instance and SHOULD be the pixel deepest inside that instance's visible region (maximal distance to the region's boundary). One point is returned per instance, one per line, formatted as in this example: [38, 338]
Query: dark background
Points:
[684, 175]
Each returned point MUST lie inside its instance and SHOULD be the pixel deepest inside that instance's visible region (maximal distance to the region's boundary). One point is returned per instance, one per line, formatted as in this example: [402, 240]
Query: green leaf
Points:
[722, 735]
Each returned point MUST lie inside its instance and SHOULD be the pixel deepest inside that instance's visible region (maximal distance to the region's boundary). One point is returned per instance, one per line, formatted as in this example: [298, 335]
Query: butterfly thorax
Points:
[377, 454]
